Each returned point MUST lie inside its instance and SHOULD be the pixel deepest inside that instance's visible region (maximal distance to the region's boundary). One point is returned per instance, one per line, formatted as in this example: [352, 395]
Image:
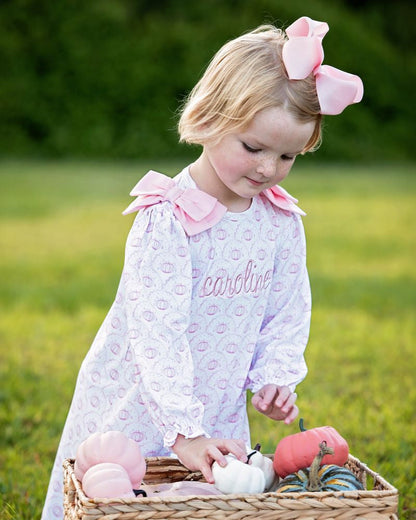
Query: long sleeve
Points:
[279, 357]
[157, 287]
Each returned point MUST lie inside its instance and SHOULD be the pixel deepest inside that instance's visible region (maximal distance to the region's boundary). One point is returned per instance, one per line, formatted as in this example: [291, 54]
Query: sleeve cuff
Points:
[170, 436]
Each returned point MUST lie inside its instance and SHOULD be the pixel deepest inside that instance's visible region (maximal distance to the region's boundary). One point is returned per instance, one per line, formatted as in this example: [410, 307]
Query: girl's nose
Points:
[268, 167]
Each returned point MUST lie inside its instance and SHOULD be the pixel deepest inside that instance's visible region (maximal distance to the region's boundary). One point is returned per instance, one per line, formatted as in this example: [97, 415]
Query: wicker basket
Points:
[379, 500]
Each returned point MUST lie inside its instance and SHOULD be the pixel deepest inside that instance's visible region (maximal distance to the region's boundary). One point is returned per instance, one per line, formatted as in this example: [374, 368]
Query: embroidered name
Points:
[247, 281]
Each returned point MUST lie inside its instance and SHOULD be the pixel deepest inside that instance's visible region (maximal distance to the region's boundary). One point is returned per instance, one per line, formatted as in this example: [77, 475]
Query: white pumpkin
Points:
[238, 477]
[264, 463]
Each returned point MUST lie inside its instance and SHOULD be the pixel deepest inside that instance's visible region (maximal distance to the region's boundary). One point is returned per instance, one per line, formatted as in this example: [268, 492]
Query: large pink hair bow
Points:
[303, 54]
[196, 210]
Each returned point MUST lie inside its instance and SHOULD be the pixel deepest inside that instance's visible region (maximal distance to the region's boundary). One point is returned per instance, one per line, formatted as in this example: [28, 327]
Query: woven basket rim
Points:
[389, 490]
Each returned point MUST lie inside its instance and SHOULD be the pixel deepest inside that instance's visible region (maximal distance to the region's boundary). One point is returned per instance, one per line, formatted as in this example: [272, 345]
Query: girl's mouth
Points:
[254, 182]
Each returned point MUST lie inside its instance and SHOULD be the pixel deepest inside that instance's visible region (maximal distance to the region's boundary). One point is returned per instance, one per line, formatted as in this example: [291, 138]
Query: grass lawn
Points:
[62, 243]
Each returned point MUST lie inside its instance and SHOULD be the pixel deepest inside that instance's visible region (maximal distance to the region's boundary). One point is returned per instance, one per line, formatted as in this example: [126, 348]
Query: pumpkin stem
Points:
[140, 492]
[314, 482]
[250, 455]
[301, 427]
[256, 449]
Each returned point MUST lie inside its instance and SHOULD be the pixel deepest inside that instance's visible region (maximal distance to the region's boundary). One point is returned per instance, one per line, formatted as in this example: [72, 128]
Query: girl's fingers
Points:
[283, 395]
[265, 398]
[290, 401]
[291, 416]
[217, 452]
[207, 473]
[255, 401]
[236, 447]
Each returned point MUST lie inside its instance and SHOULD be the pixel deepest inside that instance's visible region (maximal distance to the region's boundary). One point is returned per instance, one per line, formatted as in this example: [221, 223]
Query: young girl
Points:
[214, 297]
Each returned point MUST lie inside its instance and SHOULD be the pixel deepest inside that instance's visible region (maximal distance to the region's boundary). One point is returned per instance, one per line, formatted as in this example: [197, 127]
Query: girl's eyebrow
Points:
[253, 140]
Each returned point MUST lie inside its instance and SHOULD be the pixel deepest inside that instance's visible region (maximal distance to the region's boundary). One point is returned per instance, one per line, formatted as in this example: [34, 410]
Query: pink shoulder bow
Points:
[195, 209]
[303, 53]
[282, 199]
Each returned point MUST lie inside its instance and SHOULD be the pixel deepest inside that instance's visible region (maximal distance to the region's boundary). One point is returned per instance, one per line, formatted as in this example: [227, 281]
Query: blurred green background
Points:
[89, 94]
[104, 78]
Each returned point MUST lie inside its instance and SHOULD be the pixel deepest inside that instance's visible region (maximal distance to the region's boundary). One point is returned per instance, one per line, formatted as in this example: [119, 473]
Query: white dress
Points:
[195, 323]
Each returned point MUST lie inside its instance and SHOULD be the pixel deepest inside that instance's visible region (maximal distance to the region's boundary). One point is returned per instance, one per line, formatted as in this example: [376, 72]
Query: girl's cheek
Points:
[249, 162]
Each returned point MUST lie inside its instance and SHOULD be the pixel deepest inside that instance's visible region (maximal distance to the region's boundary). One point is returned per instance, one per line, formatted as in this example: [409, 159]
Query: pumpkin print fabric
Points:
[196, 322]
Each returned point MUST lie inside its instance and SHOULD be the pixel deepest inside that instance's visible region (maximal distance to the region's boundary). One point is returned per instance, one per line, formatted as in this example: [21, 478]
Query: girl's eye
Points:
[251, 149]
[287, 157]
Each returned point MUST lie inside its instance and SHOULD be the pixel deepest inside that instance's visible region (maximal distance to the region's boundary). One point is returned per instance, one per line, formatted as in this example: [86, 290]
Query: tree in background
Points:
[104, 78]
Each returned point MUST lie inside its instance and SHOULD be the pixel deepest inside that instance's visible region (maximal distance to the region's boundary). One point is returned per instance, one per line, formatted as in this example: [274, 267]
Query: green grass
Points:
[62, 242]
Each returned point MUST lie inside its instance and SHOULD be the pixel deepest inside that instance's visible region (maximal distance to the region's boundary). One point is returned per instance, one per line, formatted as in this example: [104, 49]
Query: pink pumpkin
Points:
[107, 480]
[112, 446]
[297, 451]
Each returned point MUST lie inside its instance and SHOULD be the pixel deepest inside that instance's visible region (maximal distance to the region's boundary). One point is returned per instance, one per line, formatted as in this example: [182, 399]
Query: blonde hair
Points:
[246, 76]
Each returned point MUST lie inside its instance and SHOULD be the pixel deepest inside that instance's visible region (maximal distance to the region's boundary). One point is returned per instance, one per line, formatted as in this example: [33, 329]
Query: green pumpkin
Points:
[332, 477]
[328, 477]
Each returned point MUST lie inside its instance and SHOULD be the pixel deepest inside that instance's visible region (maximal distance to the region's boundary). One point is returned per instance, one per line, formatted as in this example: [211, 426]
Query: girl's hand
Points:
[199, 454]
[276, 402]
